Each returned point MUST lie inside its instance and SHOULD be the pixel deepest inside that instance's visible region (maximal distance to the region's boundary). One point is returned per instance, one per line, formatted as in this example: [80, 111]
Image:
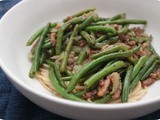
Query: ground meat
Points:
[58, 26]
[71, 61]
[82, 44]
[105, 47]
[144, 50]
[53, 39]
[131, 43]
[69, 18]
[103, 87]
[148, 82]
[35, 45]
[152, 78]
[138, 31]
[117, 94]
[116, 26]
[90, 94]
[93, 51]
[124, 37]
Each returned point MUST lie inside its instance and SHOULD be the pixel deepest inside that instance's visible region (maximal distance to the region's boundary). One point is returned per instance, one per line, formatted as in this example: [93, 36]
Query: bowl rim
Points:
[63, 101]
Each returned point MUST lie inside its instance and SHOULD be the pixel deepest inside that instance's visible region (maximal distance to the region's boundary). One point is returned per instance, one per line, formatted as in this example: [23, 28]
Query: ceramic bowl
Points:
[19, 23]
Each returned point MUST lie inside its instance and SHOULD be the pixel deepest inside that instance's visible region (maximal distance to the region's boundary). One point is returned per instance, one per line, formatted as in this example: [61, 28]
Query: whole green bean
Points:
[68, 49]
[37, 54]
[143, 71]
[102, 38]
[102, 73]
[38, 33]
[57, 72]
[109, 50]
[151, 69]
[82, 55]
[138, 66]
[104, 99]
[60, 89]
[105, 29]
[80, 13]
[77, 76]
[123, 21]
[126, 83]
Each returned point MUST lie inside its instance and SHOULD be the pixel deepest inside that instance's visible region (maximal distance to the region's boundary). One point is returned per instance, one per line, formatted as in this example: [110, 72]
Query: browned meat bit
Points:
[148, 82]
[152, 78]
[144, 50]
[34, 45]
[117, 94]
[116, 26]
[132, 43]
[53, 39]
[71, 61]
[138, 31]
[69, 18]
[58, 26]
[90, 94]
[105, 47]
[93, 51]
[103, 87]
[82, 44]
[124, 37]
[155, 75]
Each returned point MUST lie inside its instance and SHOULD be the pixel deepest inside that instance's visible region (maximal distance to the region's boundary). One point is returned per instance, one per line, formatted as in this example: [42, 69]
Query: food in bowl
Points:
[89, 58]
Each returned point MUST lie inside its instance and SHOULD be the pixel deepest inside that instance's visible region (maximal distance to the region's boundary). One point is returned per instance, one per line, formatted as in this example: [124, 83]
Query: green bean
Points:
[126, 83]
[102, 38]
[47, 40]
[143, 71]
[151, 69]
[57, 72]
[82, 55]
[37, 54]
[100, 19]
[111, 40]
[61, 33]
[68, 49]
[66, 78]
[47, 45]
[123, 21]
[138, 66]
[109, 50]
[86, 23]
[87, 38]
[38, 33]
[105, 29]
[76, 49]
[118, 16]
[80, 13]
[104, 99]
[136, 49]
[123, 30]
[77, 76]
[81, 93]
[60, 89]
[43, 57]
[102, 73]
[67, 35]
[69, 73]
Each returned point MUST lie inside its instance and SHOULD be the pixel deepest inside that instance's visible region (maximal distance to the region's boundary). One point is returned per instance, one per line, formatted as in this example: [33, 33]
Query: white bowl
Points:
[25, 18]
